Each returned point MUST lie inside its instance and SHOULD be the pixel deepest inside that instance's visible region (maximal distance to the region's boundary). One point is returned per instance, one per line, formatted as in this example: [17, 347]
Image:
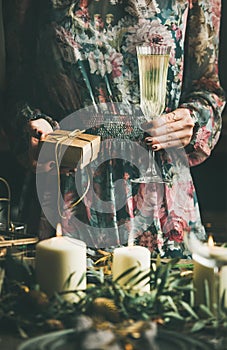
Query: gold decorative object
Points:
[11, 236]
[106, 308]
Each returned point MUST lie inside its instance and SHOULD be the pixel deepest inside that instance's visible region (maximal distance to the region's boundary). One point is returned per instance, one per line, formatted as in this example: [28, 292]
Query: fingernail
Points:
[37, 134]
[52, 165]
[149, 140]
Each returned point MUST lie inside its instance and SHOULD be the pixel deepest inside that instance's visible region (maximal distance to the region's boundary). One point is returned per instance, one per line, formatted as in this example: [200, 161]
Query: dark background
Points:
[210, 177]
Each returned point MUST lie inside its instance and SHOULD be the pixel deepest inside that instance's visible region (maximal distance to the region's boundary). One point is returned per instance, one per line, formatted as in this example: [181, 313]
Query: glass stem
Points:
[151, 162]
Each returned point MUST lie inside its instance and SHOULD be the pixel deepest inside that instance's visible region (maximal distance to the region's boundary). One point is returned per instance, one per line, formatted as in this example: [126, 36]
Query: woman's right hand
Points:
[37, 129]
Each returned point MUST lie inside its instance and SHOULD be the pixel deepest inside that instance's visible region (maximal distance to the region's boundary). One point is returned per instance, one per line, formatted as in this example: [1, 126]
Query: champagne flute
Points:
[153, 64]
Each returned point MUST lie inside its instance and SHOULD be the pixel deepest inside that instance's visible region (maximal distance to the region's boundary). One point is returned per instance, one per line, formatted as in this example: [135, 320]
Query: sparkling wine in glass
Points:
[153, 64]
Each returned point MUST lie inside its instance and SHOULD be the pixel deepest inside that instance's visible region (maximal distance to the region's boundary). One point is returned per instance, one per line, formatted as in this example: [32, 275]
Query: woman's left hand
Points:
[174, 129]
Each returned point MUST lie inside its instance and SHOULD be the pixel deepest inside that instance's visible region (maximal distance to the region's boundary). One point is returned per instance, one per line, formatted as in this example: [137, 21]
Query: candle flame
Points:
[210, 241]
[58, 230]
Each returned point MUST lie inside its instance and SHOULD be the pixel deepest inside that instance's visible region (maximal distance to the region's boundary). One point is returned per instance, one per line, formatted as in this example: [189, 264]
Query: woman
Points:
[65, 55]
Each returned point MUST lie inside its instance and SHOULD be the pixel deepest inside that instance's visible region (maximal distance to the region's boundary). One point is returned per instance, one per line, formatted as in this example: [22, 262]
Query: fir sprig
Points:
[27, 308]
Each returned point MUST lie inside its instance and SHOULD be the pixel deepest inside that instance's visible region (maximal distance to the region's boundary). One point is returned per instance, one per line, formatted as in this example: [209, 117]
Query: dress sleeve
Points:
[20, 29]
[202, 93]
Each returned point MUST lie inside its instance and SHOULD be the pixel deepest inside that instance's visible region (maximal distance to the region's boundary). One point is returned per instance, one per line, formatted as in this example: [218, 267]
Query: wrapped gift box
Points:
[72, 148]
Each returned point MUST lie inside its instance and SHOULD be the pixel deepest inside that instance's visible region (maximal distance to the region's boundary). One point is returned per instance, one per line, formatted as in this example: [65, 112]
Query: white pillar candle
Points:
[125, 258]
[57, 259]
[204, 270]
[206, 258]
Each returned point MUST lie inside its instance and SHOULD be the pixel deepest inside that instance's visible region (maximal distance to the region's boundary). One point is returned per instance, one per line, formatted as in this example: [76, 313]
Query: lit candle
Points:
[206, 259]
[58, 259]
[125, 258]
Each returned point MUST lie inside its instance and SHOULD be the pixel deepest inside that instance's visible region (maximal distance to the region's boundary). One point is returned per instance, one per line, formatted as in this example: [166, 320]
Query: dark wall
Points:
[223, 46]
[211, 176]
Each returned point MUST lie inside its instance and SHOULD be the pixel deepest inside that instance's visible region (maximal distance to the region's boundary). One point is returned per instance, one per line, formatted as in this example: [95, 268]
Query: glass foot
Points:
[151, 179]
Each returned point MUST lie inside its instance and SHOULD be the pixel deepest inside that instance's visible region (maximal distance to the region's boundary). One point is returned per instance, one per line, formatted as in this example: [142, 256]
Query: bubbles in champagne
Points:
[153, 68]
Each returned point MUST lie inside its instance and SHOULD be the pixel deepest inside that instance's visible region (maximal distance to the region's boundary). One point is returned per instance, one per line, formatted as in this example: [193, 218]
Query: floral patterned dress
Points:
[65, 56]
